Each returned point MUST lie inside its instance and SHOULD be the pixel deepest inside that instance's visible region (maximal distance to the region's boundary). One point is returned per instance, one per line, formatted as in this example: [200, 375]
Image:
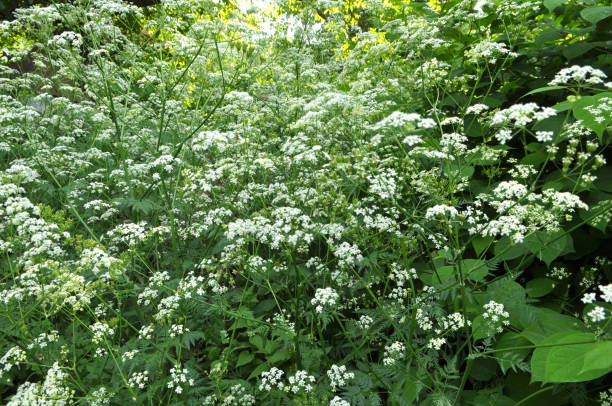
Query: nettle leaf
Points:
[571, 357]
[593, 117]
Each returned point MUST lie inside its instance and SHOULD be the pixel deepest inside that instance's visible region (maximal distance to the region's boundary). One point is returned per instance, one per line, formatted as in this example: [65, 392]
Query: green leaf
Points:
[481, 329]
[571, 357]
[538, 323]
[579, 48]
[474, 269]
[278, 356]
[544, 89]
[511, 358]
[548, 246]
[505, 249]
[539, 287]
[480, 244]
[596, 14]
[600, 222]
[443, 274]
[551, 5]
[244, 358]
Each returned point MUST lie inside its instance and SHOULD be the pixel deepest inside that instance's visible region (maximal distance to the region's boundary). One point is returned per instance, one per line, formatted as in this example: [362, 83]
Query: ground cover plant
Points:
[306, 203]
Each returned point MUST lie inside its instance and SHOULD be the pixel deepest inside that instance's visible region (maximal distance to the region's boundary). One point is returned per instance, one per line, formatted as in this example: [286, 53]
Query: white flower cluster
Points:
[488, 51]
[338, 401]
[441, 210]
[452, 322]
[272, 379]
[602, 111]
[383, 185]
[101, 332]
[324, 298]
[301, 381]
[347, 254]
[338, 376]
[99, 397]
[177, 330]
[139, 380]
[238, 396]
[558, 272]
[496, 316]
[435, 343]
[605, 397]
[394, 352]
[365, 322]
[578, 74]
[52, 391]
[12, 358]
[43, 340]
[522, 114]
[402, 277]
[178, 379]
[399, 119]
[598, 313]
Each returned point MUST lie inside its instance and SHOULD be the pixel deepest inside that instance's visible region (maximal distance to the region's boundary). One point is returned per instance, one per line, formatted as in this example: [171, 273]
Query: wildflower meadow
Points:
[306, 202]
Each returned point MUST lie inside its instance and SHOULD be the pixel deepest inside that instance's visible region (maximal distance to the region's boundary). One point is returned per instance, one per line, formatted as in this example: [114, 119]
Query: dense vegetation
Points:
[328, 202]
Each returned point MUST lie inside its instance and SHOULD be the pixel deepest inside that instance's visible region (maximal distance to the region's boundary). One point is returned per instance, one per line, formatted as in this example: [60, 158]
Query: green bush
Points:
[317, 203]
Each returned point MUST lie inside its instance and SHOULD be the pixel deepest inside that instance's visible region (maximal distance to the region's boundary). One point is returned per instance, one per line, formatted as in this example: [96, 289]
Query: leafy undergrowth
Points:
[310, 203]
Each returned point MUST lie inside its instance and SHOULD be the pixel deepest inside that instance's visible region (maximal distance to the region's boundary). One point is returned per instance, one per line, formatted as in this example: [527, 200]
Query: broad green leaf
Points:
[551, 5]
[539, 287]
[443, 274]
[538, 323]
[244, 358]
[548, 246]
[570, 357]
[576, 49]
[596, 14]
